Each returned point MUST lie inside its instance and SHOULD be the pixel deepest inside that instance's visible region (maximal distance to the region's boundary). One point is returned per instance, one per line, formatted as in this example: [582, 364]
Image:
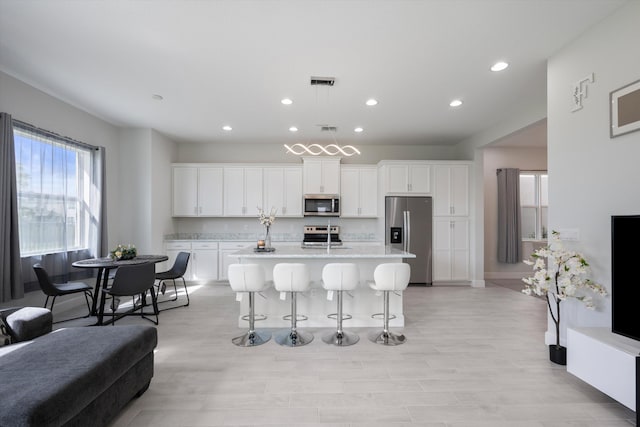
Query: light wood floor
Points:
[473, 357]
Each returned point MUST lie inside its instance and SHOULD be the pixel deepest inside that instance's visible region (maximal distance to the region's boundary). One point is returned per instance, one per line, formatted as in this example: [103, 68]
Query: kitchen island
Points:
[314, 303]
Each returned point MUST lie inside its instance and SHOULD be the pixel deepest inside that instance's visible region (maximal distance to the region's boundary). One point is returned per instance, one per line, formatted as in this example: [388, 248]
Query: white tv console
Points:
[607, 361]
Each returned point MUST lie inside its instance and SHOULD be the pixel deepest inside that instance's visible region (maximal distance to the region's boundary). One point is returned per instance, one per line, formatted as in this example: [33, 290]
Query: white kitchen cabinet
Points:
[197, 191]
[242, 191]
[407, 178]
[283, 190]
[204, 260]
[450, 248]
[226, 249]
[321, 176]
[451, 190]
[359, 191]
[172, 249]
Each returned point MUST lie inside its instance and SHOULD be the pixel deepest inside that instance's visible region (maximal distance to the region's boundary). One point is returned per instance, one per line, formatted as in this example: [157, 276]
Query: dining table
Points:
[105, 264]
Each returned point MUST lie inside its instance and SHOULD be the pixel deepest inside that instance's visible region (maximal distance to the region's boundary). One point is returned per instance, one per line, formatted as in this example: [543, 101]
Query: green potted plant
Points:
[560, 274]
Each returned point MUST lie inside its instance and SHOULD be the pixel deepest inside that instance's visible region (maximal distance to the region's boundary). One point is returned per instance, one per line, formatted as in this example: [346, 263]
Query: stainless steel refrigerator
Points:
[409, 227]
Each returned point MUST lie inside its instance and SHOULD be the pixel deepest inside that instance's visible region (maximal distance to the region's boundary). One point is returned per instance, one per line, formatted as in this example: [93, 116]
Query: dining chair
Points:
[177, 271]
[134, 281]
[54, 290]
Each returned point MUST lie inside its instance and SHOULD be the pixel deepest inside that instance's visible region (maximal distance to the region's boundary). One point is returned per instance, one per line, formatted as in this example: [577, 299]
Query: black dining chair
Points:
[176, 272]
[134, 281]
[54, 290]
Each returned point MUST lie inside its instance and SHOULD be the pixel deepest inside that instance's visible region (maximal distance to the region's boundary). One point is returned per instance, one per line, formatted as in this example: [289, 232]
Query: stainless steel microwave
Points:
[321, 205]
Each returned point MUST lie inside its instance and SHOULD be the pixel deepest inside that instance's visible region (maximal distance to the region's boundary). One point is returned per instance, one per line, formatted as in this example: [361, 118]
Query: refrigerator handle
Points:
[407, 230]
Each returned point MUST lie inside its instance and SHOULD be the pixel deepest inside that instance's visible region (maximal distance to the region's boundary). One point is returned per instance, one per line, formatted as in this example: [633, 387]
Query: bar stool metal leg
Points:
[251, 338]
[385, 337]
[294, 337]
[340, 337]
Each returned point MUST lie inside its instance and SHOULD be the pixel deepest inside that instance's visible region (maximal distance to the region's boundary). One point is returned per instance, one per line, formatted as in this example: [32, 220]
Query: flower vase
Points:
[267, 239]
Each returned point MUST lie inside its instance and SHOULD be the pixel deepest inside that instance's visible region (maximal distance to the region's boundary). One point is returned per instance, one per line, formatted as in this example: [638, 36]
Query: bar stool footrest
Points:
[299, 317]
[345, 316]
[256, 317]
[381, 316]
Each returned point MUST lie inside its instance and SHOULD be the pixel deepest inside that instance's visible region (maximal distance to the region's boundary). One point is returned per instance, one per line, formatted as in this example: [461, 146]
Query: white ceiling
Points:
[231, 62]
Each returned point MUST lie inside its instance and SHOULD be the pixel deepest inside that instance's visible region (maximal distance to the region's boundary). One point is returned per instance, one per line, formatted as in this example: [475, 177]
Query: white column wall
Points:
[591, 176]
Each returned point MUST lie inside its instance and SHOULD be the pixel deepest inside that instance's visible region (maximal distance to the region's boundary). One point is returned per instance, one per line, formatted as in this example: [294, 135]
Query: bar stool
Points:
[249, 278]
[390, 277]
[293, 278]
[340, 277]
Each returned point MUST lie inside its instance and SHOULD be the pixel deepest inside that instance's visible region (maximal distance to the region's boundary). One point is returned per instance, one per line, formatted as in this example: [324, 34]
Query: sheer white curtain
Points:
[59, 200]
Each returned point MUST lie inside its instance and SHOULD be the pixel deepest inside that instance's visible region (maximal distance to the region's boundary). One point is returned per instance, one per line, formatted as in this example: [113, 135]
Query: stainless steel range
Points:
[319, 236]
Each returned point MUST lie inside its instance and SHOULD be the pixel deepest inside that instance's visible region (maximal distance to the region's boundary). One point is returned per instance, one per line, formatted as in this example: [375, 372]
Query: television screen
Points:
[625, 281]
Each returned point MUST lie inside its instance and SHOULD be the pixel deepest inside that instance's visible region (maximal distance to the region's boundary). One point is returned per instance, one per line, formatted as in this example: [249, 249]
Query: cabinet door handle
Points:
[200, 209]
[408, 187]
[284, 210]
[322, 188]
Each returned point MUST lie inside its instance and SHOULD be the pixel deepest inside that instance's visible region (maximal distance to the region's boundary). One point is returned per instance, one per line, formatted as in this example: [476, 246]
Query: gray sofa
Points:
[80, 376]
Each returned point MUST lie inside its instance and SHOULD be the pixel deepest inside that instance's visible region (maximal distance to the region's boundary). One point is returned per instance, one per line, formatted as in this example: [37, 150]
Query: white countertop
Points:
[346, 251]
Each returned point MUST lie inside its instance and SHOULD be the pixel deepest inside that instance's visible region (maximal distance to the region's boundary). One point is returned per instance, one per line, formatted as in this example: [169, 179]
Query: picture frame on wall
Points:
[625, 109]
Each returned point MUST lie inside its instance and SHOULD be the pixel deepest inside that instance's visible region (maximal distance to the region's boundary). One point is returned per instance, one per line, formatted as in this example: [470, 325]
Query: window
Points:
[534, 203]
[54, 187]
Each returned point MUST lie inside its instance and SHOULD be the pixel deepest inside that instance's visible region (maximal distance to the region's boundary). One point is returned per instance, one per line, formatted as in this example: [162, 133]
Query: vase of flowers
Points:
[267, 220]
[560, 274]
[122, 252]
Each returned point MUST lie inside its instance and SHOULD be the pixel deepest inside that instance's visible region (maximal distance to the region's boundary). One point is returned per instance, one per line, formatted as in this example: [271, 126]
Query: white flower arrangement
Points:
[560, 274]
[265, 219]
[124, 252]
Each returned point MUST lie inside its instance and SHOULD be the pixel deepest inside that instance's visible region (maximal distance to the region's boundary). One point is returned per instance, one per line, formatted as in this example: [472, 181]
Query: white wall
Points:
[164, 151]
[33, 106]
[145, 175]
[524, 156]
[591, 176]
[276, 153]
[138, 163]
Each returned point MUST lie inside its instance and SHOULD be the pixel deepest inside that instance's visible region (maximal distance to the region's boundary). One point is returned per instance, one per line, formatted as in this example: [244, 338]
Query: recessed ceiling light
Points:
[455, 103]
[157, 97]
[287, 101]
[227, 128]
[358, 129]
[371, 102]
[499, 66]
[293, 129]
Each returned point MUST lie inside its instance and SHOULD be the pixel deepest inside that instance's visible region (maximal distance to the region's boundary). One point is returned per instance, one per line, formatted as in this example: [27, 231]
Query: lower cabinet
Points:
[204, 261]
[450, 249]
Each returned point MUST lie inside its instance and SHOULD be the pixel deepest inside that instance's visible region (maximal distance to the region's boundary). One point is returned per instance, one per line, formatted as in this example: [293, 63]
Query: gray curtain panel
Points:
[10, 271]
[100, 171]
[509, 230]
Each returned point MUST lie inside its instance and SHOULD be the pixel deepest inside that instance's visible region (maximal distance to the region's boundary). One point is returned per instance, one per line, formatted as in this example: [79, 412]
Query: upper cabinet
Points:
[451, 190]
[406, 177]
[242, 191]
[283, 190]
[359, 191]
[197, 191]
[321, 175]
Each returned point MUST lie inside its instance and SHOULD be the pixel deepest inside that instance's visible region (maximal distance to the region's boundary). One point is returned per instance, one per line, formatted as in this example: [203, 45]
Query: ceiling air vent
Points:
[322, 81]
[327, 128]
